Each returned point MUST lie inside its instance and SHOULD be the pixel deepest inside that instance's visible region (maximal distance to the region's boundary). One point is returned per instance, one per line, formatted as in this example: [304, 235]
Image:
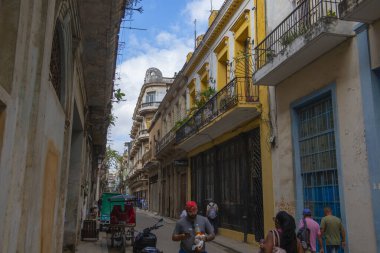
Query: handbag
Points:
[277, 243]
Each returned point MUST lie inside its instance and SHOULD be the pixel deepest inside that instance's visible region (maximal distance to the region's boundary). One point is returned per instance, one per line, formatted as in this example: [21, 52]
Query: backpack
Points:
[304, 235]
[276, 243]
[212, 212]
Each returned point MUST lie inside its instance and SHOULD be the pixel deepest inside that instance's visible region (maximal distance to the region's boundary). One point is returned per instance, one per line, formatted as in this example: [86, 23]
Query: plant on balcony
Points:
[290, 36]
[204, 96]
[270, 54]
[331, 13]
[179, 123]
[226, 101]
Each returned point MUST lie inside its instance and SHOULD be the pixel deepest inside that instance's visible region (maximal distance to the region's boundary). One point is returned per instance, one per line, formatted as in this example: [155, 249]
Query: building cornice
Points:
[225, 14]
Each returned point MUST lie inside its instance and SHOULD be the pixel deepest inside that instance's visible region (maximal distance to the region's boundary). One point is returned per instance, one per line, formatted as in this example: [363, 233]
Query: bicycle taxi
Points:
[122, 220]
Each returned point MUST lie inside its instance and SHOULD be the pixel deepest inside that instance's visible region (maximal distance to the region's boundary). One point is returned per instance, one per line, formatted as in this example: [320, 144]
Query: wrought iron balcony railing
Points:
[239, 90]
[297, 23]
[165, 140]
[150, 104]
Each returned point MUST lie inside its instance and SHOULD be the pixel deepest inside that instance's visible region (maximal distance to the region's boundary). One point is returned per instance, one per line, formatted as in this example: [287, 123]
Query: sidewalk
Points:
[99, 246]
[233, 245]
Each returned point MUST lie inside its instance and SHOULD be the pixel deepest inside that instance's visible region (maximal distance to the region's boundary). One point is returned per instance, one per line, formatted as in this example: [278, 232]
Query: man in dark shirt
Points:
[193, 230]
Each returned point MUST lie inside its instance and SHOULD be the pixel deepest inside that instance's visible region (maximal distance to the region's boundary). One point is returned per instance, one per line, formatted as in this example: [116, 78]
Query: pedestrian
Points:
[99, 204]
[332, 229]
[283, 237]
[183, 213]
[193, 230]
[314, 233]
[212, 214]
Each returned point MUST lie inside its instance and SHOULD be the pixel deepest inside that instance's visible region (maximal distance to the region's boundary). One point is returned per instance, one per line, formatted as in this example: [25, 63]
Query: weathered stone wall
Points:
[42, 140]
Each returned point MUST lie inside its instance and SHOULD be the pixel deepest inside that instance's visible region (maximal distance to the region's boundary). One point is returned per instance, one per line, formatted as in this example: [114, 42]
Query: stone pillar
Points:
[73, 210]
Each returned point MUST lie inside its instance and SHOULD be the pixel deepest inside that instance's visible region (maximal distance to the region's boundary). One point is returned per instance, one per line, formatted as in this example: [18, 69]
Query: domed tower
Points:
[153, 75]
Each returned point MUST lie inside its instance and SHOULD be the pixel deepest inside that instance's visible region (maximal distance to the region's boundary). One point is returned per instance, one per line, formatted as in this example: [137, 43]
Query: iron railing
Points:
[165, 140]
[150, 104]
[239, 90]
[300, 21]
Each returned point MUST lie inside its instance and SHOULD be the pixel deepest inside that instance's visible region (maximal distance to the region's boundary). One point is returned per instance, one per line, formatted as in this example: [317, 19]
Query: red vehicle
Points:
[122, 220]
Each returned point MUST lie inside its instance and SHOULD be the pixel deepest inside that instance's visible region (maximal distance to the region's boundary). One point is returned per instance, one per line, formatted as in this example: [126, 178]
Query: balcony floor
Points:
[226, 122]
[303, 50]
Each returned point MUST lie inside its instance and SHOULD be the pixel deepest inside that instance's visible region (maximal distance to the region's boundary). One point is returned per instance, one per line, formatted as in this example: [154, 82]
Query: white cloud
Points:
[165, 37]
[167, 53]
[200, 10]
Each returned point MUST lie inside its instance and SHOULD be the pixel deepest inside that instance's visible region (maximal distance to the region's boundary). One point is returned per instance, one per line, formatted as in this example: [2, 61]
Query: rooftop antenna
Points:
[211, 5]
[133, 28]
[195, 34]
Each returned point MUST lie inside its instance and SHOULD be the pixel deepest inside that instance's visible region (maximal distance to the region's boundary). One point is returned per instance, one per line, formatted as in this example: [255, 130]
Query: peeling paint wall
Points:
[277, 11]
[339, 67]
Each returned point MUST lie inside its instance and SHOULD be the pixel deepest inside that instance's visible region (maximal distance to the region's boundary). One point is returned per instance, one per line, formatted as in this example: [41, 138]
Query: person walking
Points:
[332, 229]
[314, 234]
[193, 230]
[283, 237]
[183, 214]
[212, 214]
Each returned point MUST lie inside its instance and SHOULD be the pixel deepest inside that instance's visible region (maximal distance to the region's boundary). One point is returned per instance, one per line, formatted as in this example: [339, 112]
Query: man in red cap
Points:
[193, 230]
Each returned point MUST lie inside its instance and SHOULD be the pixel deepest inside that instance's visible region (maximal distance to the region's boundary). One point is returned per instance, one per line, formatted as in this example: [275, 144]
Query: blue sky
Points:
[170, 36]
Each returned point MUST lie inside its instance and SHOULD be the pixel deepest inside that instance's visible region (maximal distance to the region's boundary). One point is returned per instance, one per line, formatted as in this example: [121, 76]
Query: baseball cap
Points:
[191, 204]
[306, 211]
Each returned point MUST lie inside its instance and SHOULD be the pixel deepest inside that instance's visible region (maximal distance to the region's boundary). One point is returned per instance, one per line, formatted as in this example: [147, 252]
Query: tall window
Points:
[56, 64]
[150, 97]
[317, 156]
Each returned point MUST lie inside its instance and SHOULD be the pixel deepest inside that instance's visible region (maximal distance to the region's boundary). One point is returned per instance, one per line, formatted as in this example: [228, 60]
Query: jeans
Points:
[182, 251]
[214, 224]
[332, 248]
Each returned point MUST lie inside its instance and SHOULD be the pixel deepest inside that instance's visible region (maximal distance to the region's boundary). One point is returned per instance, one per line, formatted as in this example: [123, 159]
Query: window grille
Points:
[230, 173]
[318, 157]
[55, 64]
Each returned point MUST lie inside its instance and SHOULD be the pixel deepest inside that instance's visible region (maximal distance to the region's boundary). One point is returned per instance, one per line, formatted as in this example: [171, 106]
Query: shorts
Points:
[332, 248]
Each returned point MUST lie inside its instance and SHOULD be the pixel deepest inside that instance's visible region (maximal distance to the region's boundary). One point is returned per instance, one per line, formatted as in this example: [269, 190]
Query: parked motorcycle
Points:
[146, 241]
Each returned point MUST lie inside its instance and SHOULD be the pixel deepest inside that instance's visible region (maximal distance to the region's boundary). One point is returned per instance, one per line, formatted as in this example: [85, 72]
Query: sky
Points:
[164, 45]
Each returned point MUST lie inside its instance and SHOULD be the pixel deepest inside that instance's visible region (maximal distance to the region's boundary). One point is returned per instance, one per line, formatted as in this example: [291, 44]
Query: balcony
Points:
[135, 127]
[311, 30]
[233, 105]
[366, 11]
[143, 135]
[146, 157]
[148, 107]
[165, 145]
[149, 161]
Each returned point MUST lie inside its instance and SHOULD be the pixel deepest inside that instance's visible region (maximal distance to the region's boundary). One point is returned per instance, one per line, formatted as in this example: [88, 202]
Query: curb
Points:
[231, 250]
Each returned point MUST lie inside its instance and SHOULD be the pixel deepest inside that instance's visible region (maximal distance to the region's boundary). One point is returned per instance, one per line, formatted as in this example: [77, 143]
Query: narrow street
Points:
[164, 242]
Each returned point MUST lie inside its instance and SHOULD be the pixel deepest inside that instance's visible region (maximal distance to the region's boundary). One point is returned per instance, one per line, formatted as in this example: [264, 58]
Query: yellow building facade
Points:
[225, 132]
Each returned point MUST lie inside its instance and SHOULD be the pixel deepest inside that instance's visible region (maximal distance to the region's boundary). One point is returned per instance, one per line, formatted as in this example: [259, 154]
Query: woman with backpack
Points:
[283, 238]
[212, 214]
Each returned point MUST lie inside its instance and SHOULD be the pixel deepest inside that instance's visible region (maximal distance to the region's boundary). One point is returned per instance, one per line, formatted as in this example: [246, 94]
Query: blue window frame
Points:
[316, 155]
